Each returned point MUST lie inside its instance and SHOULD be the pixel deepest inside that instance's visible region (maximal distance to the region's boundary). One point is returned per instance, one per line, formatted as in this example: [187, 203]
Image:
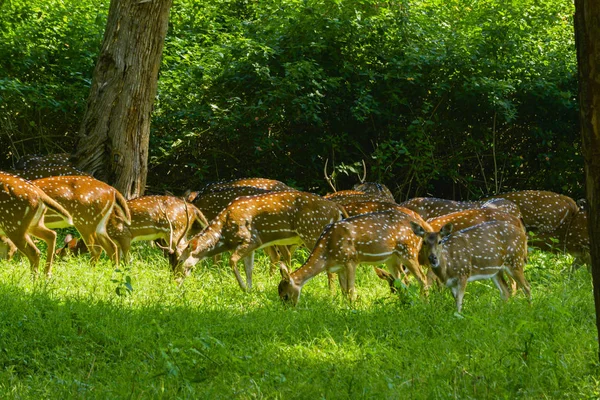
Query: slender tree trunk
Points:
[114, 134]
[587, 37]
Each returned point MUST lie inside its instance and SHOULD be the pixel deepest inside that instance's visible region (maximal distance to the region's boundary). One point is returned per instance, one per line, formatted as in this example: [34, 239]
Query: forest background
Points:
[455, 99]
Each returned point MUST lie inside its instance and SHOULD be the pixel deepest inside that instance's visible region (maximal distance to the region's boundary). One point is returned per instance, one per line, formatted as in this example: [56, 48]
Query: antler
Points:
[328, 178]
[362, 180]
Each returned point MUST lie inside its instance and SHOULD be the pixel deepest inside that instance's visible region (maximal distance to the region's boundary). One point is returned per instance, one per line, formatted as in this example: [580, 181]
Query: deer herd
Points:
[438, 241]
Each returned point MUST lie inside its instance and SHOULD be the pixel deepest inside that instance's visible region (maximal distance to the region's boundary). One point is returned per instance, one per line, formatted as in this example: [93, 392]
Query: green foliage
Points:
[72, 336]
[452, 98]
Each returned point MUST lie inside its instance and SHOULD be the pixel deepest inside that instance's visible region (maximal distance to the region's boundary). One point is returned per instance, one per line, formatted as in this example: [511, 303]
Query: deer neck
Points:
[209, 240]
[316, 263]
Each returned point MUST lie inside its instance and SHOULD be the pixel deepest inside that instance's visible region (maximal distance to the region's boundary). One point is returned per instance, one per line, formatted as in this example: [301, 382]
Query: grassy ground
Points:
[71, 336]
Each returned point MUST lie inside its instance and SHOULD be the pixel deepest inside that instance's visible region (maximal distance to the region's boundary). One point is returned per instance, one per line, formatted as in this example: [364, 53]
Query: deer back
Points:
[364, 207]
[467, 218]
[542, 210]
[212, 203]
[87, 199]
[260, 183]
[431, 207]
[375, 188]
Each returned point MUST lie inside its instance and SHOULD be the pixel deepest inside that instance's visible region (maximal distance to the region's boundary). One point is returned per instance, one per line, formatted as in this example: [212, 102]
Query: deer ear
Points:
[68, 238]
[582, 204]
[285, 273]
[446, 229]
[417, 229]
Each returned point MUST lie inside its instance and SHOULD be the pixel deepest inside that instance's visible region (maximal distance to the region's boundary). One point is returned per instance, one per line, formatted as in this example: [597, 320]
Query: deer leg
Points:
[350, 279]
[517, 273]
[342, 279]
[239, 253]
[501, 285]
[109, 247]
[459, 291]
[274, 257]
[248, 267]
[414, 267]
[27, 247]
[48, 236]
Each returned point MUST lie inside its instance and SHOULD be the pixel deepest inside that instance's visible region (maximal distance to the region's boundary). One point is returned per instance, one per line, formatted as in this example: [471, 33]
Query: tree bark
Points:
[587, 37]
[114, 134]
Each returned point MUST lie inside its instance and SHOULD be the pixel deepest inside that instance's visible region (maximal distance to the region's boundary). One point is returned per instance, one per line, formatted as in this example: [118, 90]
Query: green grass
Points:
[71, 336]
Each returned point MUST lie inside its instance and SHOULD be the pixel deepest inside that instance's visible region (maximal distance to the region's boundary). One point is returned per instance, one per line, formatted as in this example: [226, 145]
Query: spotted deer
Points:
[431, 207]
[570, 237]
[365, 207]
[255, 222]
[542, 211]
[22, 209]
[91, 203]
[363, 191]
[384, 237]
[213, 202]
[482, 251]
[50, 160]
[156, 217]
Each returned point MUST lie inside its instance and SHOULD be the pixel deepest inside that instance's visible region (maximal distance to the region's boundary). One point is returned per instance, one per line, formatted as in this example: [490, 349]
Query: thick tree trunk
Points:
[587, 37]
[114, 134]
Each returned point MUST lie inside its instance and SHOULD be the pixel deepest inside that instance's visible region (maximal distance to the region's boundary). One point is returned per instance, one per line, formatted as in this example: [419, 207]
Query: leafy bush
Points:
[448, 98]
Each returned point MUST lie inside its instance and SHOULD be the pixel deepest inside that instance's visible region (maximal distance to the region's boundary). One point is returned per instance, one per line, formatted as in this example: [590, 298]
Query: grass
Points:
[72, 336]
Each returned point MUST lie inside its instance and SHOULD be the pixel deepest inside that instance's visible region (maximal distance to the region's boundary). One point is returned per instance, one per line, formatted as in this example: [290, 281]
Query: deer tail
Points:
[53, 205]
[121, 203]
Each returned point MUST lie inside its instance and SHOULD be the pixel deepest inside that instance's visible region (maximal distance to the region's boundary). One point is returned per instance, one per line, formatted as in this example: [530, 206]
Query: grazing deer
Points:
[542, 211]
[22, 209]
[431, 207]
[213, 202]
[482, 251]
[570, 237]
[365, 207]
[156, 217]
[374, 238]
[90, 202]
[255, 222]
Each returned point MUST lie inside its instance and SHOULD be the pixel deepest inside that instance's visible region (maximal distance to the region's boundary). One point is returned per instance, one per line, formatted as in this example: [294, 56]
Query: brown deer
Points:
[251, 223]
[377, 189]
[156, 217]
[213, 202]
[542, 211]
[431, 207]
[22, 209]
[374, 238]
[482, 251]
[344, 197]
[363, 191]
[570, 237]
[91, 203]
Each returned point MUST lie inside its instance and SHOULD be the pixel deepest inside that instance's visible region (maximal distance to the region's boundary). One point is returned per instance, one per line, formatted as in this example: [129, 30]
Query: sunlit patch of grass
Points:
[73, 336]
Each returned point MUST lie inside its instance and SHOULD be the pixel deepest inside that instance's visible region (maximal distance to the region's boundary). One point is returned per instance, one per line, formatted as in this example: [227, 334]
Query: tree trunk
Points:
[114, 134]
[587, 37]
